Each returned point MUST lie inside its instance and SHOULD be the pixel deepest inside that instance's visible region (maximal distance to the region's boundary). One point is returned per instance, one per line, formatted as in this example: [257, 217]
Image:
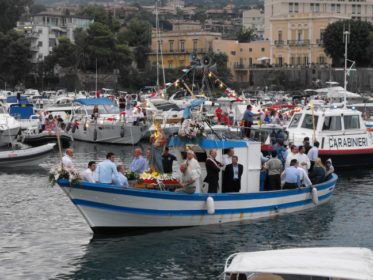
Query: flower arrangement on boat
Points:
[58, 172]
[192, 129]
[132, 175]
[155, 177]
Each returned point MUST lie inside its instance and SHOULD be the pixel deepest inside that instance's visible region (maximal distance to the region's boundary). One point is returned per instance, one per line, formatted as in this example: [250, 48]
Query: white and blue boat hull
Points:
[108, 208]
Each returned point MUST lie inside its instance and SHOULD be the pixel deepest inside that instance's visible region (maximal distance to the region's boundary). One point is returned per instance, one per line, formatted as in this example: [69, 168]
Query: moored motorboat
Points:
[44, 137]
[334, 263]
[9, 127]
[106, 125]
[110, 208]
[25, 156]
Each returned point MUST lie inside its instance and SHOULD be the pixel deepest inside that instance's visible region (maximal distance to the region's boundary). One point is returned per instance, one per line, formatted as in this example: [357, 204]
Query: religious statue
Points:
[158, 140]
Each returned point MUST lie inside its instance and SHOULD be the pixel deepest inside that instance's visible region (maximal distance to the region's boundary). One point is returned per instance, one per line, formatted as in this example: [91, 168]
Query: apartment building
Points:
[178, 46]
[243, 56]
[297, 39]
[45, 28]
[355, 9]
[254, 19]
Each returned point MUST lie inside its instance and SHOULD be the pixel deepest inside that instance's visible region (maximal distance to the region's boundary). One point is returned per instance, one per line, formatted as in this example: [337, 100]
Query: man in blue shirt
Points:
[248, 119]
[139, 163]
[121, 179]
[107, 170]
[291, 175]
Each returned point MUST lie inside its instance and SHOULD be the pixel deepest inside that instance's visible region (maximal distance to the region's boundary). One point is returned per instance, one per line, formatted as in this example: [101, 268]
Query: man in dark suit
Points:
[233, 173]
[213, 169]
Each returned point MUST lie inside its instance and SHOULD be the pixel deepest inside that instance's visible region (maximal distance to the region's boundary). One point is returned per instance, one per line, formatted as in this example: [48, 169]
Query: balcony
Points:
[182, 51]
[241, 67]
[279, 43]
[298, 43]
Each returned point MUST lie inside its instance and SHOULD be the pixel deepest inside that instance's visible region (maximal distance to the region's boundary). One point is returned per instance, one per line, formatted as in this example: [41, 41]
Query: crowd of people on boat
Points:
[284, 169]
[294, 167]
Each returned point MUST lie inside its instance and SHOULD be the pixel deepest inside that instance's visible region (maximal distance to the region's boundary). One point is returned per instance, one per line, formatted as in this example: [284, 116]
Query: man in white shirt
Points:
[107, 169]
[121, 179]
[292, 155]
[304, 179]
[89, 174]
[303, 160]
[67, 160]
[313, 153]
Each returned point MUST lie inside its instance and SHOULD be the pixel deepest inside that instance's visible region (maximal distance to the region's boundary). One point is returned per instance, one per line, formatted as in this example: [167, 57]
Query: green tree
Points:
[100, 45]
[99, 14]
[64, 54]
[10, 12]
[80, 38]
[246, 35]
[137, 34]
[37, 8]
[357, 46]
[14, 57]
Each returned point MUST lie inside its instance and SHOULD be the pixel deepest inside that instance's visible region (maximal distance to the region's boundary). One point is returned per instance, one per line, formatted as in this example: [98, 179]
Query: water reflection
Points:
[198, 251]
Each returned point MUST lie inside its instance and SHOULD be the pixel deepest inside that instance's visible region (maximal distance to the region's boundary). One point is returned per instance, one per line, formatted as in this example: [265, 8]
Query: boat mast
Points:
[159, 47]
[345, 37]
[96, 78]
[158, 40]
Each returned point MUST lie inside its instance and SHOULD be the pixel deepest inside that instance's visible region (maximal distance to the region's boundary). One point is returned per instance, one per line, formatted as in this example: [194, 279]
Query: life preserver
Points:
[315, 196]
[210, 205]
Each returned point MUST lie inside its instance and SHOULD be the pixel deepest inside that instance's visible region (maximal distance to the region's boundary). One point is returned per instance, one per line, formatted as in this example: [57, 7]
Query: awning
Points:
[263, 58]
[207, 143]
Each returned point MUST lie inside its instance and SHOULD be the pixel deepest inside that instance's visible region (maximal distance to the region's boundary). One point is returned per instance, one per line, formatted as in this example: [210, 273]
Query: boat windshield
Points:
[104, 109]
[295, 120]
[309, 121]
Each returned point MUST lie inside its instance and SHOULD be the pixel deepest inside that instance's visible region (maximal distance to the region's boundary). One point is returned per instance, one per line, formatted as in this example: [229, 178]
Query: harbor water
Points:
[43, 236]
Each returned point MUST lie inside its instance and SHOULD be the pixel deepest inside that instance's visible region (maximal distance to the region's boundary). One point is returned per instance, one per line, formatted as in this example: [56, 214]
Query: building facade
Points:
[254, 19]
[297, 39]
[45, 29]
[355, 9]
[243, 56]
[177, 47]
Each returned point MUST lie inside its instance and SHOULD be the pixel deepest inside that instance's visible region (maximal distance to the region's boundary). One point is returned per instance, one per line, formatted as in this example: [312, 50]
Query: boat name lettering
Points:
[336, 142]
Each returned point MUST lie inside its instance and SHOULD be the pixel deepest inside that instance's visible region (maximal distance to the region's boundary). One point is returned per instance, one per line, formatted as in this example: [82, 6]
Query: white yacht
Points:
[9, 127]
[99, 120]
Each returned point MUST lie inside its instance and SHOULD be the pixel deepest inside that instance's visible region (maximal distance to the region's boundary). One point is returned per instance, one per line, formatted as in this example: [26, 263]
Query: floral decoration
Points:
[58, 172]
[192, 129]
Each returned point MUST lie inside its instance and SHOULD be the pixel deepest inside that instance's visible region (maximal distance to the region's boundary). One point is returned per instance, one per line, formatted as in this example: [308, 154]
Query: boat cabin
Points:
[248, 153]
[332, 128]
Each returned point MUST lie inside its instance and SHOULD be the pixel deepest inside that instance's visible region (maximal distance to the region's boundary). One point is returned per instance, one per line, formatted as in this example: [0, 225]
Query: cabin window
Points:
[295, 120]
[351, 122]
[332, 123]
[309, 122]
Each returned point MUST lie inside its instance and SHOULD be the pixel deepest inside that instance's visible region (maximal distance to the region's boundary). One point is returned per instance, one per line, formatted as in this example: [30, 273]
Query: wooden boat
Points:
[336, 263]
[110, 208]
